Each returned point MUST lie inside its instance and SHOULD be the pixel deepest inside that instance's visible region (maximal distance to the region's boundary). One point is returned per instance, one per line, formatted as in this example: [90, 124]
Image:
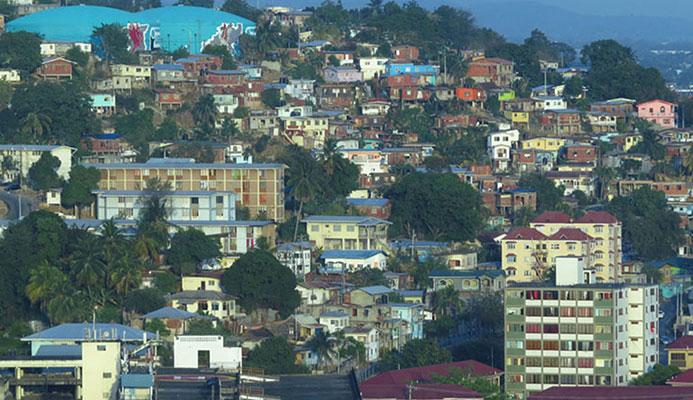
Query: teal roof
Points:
[84, 331]
[166, 27]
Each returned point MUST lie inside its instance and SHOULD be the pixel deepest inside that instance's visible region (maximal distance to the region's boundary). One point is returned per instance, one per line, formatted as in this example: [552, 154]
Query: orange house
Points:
[470, 94]
[56, 68]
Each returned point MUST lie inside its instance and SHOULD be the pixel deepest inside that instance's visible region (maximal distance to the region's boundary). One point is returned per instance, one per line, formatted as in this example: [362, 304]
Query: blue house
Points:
[394, 69]
[412, 313]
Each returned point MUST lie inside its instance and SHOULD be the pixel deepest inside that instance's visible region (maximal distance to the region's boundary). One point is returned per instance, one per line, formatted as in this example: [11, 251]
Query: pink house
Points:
[659, 112]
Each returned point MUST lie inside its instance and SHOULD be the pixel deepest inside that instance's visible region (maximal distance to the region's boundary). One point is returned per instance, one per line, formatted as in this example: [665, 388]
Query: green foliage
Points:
[167, 130]
[653, 274]
[189, 248]
[166, 282]
[6, 91]
[20, 50]
[368, 277]
[616, 73]
[260, 281]
[479, 384]
[76, 55]
[304, 70]
[36, 239]
[648, 223]
[222, 51]
[488, 350]
[415, 353]
[271, 98]
[548, 195]
[437, 206]
[196, 3]
[112, 43]
[487, 310]
[143, 301]
[78, 191]
[156, 326]
[205, 327]
[242, 9]
[440, 328]
[242, 213]
[657, 377]
[65, 106]
[276, 356]
[649, 145]
[43, 173]
[573, 87]
[180, 52]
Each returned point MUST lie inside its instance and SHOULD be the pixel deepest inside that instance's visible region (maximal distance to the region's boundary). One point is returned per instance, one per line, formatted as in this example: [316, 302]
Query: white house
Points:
[181, 205]
[10, 75]
[25, 155]
[369, 161]
[549, 103]
[334, 321]
[295, 256]
[205, 351]
[367, 335]
[353, 260]
[290, 110]
[375, 107]
[301, 89]
[315, 292]
[499, 146]
[372, 66]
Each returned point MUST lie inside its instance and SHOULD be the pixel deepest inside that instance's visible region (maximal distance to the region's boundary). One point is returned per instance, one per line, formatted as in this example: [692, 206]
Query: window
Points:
[337, 228]
[517, 361]
[315, 228]
[551, 362]
[533, 362]
[534, 345]
[585, 329]
[585, 312]
[567, 312]
[533, 328]
[510, 258]
[568, 328]
[511, 245]
[567, 362]
[100, 348]
[517, 344]
[585, 363]
[107, 375]
[568, 379]
[551, 328]
[568, 345]
[534, 311]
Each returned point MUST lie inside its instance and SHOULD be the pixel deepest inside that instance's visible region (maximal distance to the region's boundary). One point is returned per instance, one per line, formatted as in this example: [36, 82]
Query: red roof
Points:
[418, 392]
[684, 342]
[683, 377]
[570, 234]
[597, 217]
[614, 393]
[424, 374]
[525, 234]
[655, 101]
[553, 217]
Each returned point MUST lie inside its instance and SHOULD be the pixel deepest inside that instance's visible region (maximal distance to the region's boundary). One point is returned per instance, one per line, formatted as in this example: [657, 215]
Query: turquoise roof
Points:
[163, 27]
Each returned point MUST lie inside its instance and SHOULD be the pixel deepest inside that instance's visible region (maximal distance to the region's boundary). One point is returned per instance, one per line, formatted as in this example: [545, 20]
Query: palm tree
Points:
[605, 175]
[44, 280]
[303, 187]
[87, 264]
[331, 159]
[375, 7]
[37, 124]
[112, 240]
[269, 37]
[126, 275]
[447, 302]
[66, 305]
[205, 112]
[152, 224]
[322, 344]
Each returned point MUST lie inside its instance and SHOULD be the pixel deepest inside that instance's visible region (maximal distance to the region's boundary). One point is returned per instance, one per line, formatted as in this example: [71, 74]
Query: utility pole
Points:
[411, 389]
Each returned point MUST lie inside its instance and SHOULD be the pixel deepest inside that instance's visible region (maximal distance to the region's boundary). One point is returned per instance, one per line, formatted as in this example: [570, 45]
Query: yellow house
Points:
[461, 260]
[600, 225]
[575, 167]
[140, 74]
[528, 253]
[347, 233]
[519, 117]
[309, 132]
[215, 303]
[542, 143]
[203, 281]
[630, 141]
[680, 352]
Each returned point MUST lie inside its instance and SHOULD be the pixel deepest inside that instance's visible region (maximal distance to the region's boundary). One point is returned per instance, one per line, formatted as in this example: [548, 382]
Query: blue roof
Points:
[410, 293]
[85, 331]
[106, 136]
[314, 43]
[59, 350]
[170, 27]
[168, 67]
[405, 244]
[566, 111]
[367, 202]
[226, 72]
[136, 381]
[520, 190]
[333, 314]
[173, 313]
[345, 219]
[350, 254]
[378, 289]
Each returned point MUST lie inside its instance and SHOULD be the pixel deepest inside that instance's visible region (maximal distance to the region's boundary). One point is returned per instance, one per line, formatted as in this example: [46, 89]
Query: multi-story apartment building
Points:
[578, 335]
[600, 225]
[527, 253]
[347, 233]
[25, 155]
[259, 187]
[140, 74]
[181, 205]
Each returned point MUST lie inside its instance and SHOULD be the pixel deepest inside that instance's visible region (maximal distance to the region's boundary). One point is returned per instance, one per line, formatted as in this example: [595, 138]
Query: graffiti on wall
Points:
[227, 34]
[137, 33]
[144, 37]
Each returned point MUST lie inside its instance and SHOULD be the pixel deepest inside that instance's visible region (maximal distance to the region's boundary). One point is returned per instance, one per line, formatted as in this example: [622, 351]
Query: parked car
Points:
[12, 186]
[665, 339]
[661, 314]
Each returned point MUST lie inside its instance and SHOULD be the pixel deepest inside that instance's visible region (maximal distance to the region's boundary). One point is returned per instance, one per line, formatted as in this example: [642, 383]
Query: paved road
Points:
[12, 201]
[183, 390]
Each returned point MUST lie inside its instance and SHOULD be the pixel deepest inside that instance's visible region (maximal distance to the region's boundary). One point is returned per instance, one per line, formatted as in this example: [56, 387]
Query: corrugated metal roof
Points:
[84, 331]
[136, 381]
[173, 313]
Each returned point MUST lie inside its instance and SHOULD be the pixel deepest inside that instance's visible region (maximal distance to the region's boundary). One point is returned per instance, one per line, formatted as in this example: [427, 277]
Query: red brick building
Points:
[377, 208]
[56, 68]
[168, 98]
[581, 153]
[196, 65]
[405, 52]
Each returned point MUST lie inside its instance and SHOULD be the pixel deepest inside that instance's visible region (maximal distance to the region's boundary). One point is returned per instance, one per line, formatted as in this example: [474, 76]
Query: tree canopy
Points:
[21, 50]
[260, 281]
[437, 206]
[276, 356]
[415, 353]
[190, 247]
[43, 173]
